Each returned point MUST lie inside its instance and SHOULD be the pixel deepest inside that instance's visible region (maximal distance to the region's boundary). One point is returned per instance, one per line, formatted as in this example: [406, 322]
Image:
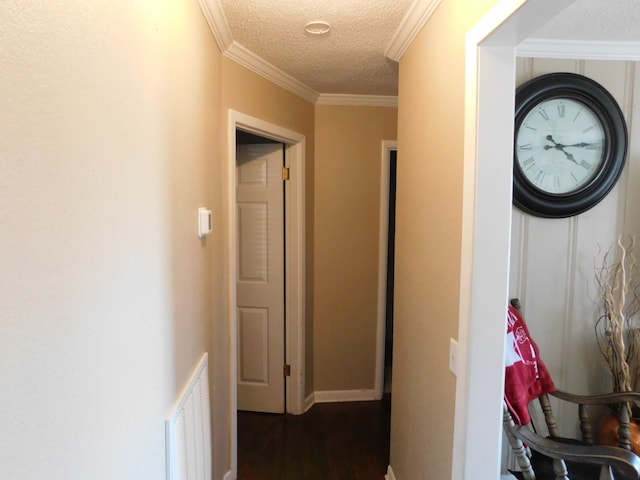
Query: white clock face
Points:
[560, 146]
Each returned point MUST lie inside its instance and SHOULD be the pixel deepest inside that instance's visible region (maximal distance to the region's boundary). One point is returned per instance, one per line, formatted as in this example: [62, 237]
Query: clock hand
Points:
[582, 145]
[555, 145]
[559, 146]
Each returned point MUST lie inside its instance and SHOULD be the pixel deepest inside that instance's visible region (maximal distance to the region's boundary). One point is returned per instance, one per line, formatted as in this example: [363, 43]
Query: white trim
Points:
[390, 475]
[490, 71]
[357, 100]
[229, 476]
[233, 315]
[408, 30]
[258, 65]
[217, 20]
[295, 224]
[383, 236]
[579, 49]
[329, 396]
[309, 401]
[295, 262]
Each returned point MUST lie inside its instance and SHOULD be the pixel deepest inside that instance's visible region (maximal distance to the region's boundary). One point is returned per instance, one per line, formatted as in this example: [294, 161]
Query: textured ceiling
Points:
[596, 20]
[349, 60]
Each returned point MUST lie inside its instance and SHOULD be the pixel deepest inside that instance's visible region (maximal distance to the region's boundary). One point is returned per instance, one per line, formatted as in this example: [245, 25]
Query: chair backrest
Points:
[527, 379]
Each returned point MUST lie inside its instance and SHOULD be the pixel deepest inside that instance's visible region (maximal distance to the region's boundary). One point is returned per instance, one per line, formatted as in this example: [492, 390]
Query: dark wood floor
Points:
[331, 441]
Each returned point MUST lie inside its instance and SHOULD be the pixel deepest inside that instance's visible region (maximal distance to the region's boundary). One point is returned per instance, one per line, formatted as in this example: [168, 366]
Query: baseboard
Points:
[389, 475]
[345, 396]
[308, 402]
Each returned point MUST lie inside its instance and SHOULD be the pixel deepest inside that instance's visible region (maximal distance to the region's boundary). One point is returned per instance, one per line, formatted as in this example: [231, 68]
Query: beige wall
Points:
[108, 144]
[428, 241]
[248, 93]
[114, 131]
[347, 213]
[342, 196]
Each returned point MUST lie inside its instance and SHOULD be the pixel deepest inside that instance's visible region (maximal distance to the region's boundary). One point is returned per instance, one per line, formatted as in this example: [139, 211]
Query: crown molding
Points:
[217, 20]
[256, 64]
[235, 51]
[218, 24]
[583, 50]
[357, 100]
[408, 30]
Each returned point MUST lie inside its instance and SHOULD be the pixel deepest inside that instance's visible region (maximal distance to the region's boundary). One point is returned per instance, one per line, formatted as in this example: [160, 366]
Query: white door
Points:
[260, 287]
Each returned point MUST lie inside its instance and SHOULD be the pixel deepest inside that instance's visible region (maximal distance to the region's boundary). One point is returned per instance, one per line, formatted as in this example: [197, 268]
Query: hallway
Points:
[331, 441]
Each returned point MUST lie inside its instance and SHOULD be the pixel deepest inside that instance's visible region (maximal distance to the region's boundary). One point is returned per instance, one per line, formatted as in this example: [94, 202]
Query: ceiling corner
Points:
[411, 24]
[218, 24]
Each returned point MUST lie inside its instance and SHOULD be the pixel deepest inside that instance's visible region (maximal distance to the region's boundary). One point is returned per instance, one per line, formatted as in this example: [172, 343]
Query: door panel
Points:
[254, 346]
[260, 287]
[253, 242]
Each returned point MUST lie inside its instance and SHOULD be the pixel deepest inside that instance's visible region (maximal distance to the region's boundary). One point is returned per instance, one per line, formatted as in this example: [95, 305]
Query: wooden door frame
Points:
[383, 235]
[294, 262]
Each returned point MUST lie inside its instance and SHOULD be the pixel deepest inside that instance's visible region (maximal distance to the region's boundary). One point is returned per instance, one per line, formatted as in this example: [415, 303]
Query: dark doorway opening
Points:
[388, 343]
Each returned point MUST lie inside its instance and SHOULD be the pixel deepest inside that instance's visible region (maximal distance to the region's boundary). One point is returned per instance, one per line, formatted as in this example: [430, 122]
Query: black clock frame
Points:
[576, 87]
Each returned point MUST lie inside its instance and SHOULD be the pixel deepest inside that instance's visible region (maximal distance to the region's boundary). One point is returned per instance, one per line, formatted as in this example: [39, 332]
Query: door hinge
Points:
[285, 173]
[287, 371]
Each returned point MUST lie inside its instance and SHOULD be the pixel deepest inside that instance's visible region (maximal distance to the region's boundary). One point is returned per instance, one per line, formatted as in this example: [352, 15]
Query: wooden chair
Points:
[553, 457]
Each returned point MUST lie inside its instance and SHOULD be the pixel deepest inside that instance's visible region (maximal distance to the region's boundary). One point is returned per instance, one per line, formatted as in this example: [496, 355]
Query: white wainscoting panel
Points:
[188, 429]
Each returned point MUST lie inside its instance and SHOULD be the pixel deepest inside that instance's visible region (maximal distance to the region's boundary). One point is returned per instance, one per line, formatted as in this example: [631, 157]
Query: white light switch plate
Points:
[205, 222]
[453, 356]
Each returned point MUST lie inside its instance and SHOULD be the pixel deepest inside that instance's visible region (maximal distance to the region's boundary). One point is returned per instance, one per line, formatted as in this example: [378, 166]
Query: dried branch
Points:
[616, 329]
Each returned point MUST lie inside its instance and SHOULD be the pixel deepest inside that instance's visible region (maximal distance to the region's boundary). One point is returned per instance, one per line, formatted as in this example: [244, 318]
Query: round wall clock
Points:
[570, 145]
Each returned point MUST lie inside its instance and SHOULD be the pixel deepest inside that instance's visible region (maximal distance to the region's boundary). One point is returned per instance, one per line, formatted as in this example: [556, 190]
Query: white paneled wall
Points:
[552, 260]
[188, 429]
